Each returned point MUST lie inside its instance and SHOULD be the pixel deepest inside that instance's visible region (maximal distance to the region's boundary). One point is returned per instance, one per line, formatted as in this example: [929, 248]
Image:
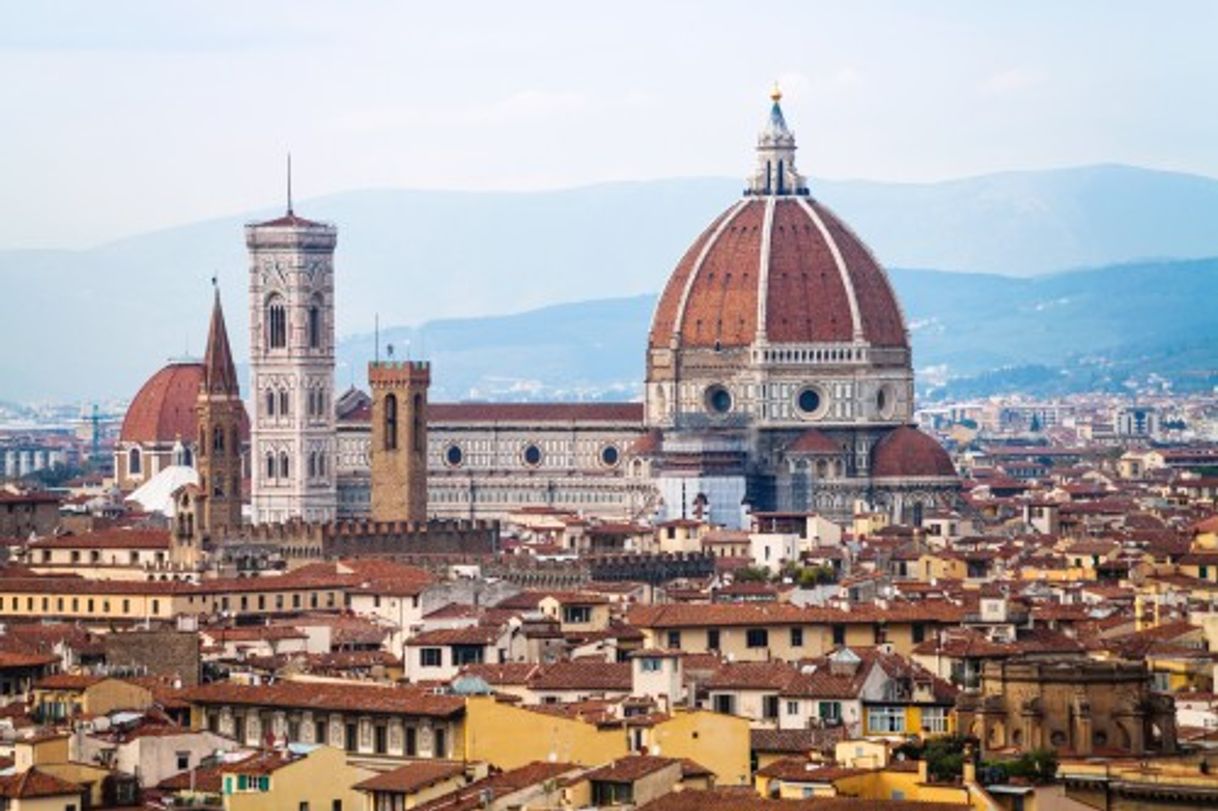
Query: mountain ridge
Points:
[110, 315]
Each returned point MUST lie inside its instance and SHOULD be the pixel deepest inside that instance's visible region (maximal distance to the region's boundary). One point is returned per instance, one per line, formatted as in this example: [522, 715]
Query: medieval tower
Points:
[221, 414]
[399, 439]
[292, 369]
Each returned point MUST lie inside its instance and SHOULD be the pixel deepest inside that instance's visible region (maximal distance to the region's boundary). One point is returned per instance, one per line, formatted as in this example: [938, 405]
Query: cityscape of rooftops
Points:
[687, 406]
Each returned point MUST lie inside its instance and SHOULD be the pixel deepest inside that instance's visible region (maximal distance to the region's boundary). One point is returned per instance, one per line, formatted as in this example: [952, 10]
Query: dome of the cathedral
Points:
[780, 269]
[906, 453]
[164, 408]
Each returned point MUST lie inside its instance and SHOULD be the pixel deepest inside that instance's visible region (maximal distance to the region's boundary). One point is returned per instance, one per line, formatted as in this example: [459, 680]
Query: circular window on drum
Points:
[718, 400]
[811, 401]
[454, 456]
[532, 455]
[885, 402]
[610, 456]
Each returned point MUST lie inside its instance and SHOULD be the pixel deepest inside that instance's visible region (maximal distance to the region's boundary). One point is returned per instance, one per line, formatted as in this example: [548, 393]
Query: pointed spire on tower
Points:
[219, 372]
[290, 212]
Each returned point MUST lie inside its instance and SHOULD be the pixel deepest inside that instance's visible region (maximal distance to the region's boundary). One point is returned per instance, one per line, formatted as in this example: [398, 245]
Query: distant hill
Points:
[97, 322]
[972, 333]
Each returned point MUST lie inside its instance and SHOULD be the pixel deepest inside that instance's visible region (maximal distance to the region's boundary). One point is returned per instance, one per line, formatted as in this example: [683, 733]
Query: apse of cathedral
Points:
[779, 379]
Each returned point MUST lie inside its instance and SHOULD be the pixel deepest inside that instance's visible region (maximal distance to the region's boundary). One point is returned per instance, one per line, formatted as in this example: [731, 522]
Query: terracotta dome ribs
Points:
[806, 301]
[883, 324]
[794, 275]
[721, 309]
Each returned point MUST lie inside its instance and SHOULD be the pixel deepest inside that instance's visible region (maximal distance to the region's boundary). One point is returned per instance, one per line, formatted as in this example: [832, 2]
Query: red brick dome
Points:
[906, 452]
[783, 268]
[164, 408]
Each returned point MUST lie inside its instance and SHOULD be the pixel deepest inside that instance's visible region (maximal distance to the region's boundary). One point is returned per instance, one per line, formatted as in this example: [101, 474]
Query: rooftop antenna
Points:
[289, 184]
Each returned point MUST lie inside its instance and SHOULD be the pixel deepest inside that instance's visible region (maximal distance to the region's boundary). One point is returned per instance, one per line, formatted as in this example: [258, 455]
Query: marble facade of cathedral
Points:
[779, 378]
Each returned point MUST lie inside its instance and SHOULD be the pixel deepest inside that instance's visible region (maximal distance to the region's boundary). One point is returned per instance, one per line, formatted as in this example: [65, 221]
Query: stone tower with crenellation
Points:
[399, 439]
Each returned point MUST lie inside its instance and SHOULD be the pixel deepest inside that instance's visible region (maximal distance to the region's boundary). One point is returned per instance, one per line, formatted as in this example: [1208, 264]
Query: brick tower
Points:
[221, 414]
[399, 439]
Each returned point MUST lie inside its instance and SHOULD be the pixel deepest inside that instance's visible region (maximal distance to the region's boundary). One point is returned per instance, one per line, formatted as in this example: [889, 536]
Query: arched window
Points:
[321, 463]
[312, 464]
[276, 323]
[133, 461]
[218, 488]
[315, 323]
[391, 422]
[416, 418]
[270, 466]
[284, 411]
[283, 465]
[270, 403]
[217, 439]
[187, 459]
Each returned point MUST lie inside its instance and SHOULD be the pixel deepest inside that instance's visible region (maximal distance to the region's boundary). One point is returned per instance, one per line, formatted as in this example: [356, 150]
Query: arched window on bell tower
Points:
[391, 422]
[217, 440]
[315, 323]
[276, 323]
[133, 461]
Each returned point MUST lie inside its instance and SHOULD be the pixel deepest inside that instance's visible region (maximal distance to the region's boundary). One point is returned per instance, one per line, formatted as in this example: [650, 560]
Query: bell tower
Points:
[399, 439]
[221, 414]
[294, 434]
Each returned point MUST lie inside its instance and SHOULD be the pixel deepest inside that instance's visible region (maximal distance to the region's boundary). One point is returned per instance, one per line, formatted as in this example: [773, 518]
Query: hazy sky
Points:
[121, 117]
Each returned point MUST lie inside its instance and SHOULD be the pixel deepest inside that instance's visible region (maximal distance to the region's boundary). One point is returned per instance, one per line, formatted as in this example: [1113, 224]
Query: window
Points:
[532, 456]
[650, 664]
[183, 760]
[797, 637]
[380, 739]
[270, 465]
[352, 737]
[674, 640]
[391, 422]
[320, 728]
[418, 430]
[712, 639]
[270, 403]
[792, 708]
[757, 638]
[133, 461]
[453, 456]
[724, 703]
[314, 325]
[839, 634]
[918, 632]
[769, 706]
[885, 719]
[283, 464]
[441, 748]
[217, 439]
[430, 657]
[412, 742]
[284, 403]
[830, 710]
[934, 720]
[577, 613]
[276, 323]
